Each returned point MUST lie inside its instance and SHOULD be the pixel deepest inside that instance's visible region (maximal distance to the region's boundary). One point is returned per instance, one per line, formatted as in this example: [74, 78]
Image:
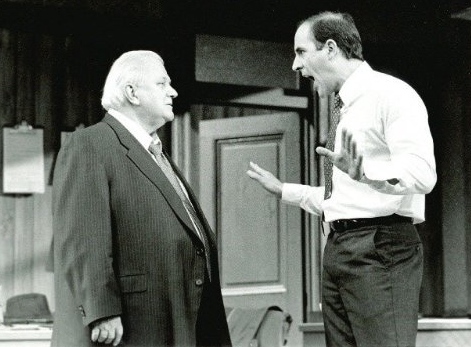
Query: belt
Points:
[340, 225]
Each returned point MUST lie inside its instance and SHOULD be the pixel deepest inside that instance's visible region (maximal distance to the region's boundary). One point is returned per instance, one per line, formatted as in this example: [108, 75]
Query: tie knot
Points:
[156, 148]
[338, 103]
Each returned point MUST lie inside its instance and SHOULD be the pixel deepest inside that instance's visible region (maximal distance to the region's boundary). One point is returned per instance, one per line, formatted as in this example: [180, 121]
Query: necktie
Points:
[328, 166]
[156, 149]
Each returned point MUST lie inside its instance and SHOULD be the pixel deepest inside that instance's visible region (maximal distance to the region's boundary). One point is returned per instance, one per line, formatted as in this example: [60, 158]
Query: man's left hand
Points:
[347, 159]
[107, 330]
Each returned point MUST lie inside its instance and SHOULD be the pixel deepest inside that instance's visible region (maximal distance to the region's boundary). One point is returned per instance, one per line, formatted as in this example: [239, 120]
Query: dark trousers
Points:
[371, 285]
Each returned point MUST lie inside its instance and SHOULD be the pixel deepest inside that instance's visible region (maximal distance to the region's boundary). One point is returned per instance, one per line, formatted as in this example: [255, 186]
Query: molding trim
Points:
[276, 289]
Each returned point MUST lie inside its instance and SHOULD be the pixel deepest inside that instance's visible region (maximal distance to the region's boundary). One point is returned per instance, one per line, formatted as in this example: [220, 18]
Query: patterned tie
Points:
[328, 166]
[156, 149]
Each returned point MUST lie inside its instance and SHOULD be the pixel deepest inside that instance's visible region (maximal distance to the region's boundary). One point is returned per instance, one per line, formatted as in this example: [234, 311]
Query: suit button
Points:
[200, 251]
[199, 282]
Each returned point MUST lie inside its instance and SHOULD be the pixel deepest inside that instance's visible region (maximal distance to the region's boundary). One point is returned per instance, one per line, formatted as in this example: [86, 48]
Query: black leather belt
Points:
[340, 225]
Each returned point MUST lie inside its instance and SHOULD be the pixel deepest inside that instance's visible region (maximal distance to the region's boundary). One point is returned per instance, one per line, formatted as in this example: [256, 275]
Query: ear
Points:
[131, 95]
[332, 48]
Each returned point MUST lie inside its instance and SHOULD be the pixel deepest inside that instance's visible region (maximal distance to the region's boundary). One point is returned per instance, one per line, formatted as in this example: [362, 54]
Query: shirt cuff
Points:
[292, 193]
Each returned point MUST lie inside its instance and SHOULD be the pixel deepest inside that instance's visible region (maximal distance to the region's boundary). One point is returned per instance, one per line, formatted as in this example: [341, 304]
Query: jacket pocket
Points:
[133, 283]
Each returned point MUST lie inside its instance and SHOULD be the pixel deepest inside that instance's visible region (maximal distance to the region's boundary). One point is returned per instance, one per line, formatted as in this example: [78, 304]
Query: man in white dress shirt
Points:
[383, 165]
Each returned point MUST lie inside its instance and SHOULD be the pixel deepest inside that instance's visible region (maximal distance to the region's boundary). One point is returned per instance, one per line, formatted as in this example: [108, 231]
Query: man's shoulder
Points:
[390, 81]
[95, 130]
[387, 86]
[97, 136]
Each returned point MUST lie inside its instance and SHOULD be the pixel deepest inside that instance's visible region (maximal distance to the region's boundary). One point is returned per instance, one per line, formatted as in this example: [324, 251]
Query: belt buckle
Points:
[339, 225]
[346, 224]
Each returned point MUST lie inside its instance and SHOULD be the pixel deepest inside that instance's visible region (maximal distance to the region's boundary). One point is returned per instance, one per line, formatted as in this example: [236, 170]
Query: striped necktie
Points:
[156, 149]
[328, 166]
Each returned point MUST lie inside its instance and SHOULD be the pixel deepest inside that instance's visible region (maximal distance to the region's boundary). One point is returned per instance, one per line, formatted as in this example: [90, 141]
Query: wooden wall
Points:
[43, 83]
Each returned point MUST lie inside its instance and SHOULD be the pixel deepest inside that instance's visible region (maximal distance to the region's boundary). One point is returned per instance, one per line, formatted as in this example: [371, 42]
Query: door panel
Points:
[259, 237]
[240, 216]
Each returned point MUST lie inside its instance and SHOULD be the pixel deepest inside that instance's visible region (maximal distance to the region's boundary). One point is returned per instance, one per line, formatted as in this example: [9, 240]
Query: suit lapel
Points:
[194, 201]
[144, 162]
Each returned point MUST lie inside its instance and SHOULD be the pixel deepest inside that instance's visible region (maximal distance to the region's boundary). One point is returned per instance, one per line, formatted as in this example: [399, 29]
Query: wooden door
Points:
[259, 237]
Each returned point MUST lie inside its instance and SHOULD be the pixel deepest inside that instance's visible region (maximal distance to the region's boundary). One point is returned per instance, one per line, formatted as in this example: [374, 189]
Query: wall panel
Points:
[45, 80]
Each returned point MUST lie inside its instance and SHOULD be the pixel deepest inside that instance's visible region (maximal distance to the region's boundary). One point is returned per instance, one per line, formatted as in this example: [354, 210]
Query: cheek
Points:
[310, 63]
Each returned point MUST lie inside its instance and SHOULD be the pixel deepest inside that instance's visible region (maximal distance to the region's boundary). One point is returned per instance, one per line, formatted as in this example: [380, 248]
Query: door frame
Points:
[276, 123]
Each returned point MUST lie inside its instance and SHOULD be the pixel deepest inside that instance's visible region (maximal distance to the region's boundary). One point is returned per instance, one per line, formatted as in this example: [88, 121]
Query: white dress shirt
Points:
[389, 122]
[134, 128]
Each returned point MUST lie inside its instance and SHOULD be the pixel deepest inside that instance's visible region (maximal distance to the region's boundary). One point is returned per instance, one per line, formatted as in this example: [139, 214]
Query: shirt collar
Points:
[356, 83]
[135, 129]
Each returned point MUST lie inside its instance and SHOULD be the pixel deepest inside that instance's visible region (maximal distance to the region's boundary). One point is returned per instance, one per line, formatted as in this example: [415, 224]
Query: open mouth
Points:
[308, 76]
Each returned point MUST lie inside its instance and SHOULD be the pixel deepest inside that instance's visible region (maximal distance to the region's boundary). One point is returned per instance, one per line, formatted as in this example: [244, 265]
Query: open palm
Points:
[347, 158]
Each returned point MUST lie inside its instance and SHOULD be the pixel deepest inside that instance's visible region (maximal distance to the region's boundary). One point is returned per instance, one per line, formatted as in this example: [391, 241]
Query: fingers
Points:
[100, 334]
[348, 143]
[348, 147]
[360, 165]
[95, 334]
[103, 335]
[110, 338]
[256, 169]
[266, 179]
[253, 166]
[352, 156]
[107, 332]
[106, 336]
[353, 150]
[344, 139]
[356, 160]
[256, 172]
[119, 335]
[325, 152]
[252, 174]
[347, 157]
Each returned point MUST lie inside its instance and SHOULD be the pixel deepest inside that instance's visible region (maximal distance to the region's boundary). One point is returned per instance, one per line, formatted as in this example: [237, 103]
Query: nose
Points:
[172, 92]
[296, 64]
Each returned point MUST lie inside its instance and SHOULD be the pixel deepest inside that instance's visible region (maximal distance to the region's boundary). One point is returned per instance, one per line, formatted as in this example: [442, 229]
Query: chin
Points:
[168, 117]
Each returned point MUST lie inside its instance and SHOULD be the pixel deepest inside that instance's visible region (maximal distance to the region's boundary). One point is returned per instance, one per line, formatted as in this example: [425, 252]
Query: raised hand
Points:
[266, 179]
[347, 159]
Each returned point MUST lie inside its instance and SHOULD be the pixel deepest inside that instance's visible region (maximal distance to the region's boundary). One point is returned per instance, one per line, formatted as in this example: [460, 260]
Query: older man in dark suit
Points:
[135, 260]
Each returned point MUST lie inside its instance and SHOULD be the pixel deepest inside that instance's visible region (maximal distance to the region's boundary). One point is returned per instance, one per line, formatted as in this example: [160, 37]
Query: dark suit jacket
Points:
[124, 245]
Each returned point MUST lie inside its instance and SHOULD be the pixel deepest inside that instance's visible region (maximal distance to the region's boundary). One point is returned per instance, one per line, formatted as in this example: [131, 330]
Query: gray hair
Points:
[130, 68]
